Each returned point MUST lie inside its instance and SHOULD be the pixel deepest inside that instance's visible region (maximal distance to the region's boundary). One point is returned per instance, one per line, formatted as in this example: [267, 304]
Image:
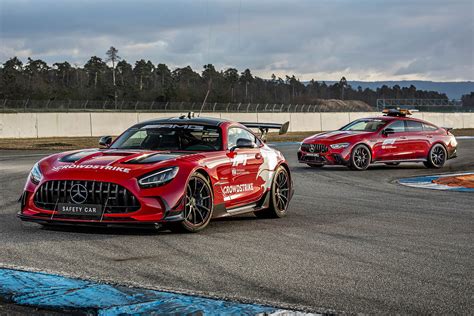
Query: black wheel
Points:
[198, 205]
[312, 165]
[360, 157]
[392, 163]
[436, 157]
[280, 195]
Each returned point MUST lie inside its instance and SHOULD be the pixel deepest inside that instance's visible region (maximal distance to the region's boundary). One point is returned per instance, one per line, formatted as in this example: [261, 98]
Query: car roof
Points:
[209, 121]
[395, 118]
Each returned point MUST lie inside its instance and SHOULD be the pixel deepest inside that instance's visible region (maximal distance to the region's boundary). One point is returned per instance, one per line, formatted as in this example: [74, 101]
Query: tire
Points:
[199, 205]
[392, 163]
[280, 195]
[436, 157]
[360, 158]
[312, 165]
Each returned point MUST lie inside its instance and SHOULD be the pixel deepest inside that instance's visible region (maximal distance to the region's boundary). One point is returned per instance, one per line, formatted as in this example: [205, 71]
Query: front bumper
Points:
[328, 158]
[154, 209]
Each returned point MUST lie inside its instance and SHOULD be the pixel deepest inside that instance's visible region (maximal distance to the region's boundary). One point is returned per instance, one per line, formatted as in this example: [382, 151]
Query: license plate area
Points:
[79, 209]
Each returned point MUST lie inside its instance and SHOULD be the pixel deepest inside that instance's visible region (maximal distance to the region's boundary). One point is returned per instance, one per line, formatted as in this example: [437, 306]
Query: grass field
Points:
[70, 143]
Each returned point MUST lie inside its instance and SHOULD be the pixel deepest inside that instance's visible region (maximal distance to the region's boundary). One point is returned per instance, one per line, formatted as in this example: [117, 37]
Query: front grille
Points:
[114, 197]
[314, 148]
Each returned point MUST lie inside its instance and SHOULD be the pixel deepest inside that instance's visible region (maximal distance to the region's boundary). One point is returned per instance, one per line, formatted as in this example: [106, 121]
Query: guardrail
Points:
[74, 124]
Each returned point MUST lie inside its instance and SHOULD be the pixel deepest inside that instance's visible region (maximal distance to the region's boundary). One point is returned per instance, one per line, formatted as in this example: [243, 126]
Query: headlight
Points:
[158, 178]
[339, 145]
[35, 174]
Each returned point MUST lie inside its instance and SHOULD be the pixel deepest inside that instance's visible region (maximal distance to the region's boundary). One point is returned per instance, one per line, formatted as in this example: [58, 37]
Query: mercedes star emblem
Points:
[311, 148]
[78, 193]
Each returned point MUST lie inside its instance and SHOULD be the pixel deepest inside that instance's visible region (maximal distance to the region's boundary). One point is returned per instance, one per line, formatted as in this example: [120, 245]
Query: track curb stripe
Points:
[428, 182]
[51, 291]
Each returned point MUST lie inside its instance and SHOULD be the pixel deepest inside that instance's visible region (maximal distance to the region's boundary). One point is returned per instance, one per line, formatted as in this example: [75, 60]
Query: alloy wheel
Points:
[438, 155]
[198, 202]
[282, 191]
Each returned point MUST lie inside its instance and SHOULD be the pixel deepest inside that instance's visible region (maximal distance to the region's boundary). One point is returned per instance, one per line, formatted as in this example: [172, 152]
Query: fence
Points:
[153, 106]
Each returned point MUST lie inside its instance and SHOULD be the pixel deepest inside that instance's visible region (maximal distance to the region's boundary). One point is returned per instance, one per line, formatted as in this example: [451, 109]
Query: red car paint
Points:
[402, 146]
[238, 178]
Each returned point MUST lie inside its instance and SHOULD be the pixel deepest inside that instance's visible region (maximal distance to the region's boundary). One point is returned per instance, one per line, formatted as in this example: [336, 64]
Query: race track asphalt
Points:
[352, 242]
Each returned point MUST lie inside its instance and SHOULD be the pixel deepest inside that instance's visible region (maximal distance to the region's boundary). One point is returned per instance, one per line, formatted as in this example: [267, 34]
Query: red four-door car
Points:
[178, 171]
[389, 139]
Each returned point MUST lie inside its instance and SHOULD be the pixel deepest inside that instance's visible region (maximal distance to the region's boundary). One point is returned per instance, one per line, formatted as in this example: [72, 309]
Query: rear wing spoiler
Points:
[264, 127]
[448, 129]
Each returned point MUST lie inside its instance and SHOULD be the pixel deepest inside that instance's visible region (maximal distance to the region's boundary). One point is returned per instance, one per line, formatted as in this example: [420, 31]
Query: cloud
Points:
[321, 39]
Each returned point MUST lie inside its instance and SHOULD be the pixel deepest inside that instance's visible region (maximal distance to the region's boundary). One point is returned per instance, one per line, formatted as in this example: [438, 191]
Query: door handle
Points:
[258, 156]
[429, 136]
[403, 137]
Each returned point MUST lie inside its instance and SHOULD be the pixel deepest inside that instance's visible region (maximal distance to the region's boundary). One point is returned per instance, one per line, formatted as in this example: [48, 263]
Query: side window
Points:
[414, 126]
[429, 127]
[235, 133]
[397, 126]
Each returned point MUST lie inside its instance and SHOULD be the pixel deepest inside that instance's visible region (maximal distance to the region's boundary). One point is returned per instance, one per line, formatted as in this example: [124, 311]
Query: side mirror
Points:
[244, 143]
[105, 141]
[388, 131]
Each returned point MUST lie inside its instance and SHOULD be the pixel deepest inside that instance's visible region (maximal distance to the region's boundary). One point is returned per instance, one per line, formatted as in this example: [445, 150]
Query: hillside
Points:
[454, 90]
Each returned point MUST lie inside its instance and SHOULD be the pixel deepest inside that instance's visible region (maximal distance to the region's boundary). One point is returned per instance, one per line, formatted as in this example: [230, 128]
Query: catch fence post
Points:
[26, 103]
[214, 107]
[248, 107]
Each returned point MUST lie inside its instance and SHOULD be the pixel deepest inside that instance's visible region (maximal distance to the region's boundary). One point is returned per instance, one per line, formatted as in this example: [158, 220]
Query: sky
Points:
[365, 40]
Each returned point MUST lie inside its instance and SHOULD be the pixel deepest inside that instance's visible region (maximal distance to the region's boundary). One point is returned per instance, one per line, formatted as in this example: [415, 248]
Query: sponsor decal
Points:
[239, 188]
[93, 167]
[239, 160]
[192, 127]
[389, 141]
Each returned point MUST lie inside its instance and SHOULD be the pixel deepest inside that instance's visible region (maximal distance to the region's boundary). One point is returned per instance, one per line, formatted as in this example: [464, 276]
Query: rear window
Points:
[429, 127]
[414, 126]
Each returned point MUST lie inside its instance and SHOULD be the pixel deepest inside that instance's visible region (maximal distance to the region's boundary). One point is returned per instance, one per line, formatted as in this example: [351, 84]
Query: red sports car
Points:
[389, 139]
[178, 171]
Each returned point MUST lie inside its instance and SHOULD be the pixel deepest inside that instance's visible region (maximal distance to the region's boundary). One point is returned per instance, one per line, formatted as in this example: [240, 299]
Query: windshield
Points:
[364, 125]
[171, 137]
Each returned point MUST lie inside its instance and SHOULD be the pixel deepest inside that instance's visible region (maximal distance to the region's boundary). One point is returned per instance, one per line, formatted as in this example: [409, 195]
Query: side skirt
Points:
[402, 160]
[221, 211]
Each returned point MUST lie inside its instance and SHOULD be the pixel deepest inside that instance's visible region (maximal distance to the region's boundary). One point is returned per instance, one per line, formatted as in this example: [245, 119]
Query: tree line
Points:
[113, 78]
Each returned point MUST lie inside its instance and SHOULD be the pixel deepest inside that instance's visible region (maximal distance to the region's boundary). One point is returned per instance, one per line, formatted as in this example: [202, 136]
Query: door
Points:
[418, 141]
[392, 146]
[243, 187]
